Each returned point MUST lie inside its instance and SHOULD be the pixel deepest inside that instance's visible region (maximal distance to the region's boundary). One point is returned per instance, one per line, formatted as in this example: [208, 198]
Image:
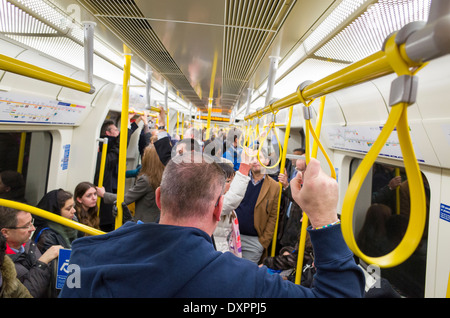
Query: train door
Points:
[29, 154]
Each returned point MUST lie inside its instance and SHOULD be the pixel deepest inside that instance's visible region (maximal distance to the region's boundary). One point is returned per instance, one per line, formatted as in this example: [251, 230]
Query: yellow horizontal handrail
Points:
[139, 112]
[371, 67]
[50, 216]
[16, 66]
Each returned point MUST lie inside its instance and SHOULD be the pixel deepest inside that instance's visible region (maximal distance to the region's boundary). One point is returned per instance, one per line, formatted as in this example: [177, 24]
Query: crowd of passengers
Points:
[246, 224]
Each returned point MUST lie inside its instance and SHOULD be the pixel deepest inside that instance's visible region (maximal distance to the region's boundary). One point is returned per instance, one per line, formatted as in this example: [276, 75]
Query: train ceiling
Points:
[217, 48]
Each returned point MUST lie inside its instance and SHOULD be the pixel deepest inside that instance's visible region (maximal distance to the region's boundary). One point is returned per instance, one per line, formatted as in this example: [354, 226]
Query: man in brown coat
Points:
[257, 213]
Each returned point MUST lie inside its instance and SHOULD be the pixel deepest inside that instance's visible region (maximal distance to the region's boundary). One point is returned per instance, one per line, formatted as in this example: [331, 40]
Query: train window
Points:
[381, 219]
[29, 154]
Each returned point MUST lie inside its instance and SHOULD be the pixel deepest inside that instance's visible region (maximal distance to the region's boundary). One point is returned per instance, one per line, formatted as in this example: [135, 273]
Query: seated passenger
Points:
[49, 233]
[86, 209]
[10, 285]
[31, 266]
[12, 186]
[143, 191]
[176, 258]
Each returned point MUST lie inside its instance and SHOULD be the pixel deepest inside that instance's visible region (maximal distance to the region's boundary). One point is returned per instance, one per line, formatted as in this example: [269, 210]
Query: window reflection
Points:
[385, 223]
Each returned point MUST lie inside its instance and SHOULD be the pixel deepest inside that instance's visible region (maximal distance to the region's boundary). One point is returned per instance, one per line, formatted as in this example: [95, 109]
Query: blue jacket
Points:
[154, 260]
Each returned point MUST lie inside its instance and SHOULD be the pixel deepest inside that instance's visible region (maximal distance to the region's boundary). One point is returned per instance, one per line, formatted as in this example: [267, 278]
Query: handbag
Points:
[234, 239]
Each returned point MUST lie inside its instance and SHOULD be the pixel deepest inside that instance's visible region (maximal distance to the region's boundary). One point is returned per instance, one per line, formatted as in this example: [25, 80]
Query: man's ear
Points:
[218, 209]
[158, 197]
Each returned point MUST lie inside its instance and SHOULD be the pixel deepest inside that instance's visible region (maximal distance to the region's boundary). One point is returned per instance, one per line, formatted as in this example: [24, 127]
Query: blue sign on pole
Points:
[63, 262]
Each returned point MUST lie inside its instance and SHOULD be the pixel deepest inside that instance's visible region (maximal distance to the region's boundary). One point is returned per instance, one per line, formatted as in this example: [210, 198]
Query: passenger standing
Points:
[86, 204]
[143, 191]
[235, 186]
[292, 218]
[176, 258]
[110, 131]
[233, 151]
[31, 266]
[257, 213]
[49, 233]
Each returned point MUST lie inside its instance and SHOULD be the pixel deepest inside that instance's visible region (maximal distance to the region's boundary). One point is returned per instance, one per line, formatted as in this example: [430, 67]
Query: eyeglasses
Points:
[29, 226]
[217, 203]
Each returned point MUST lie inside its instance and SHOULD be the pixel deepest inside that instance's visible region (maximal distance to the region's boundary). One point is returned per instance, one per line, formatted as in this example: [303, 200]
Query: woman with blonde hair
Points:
[142, 193]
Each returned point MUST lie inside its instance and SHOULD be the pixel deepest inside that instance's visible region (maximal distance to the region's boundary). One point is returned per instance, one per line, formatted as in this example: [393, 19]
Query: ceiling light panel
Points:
[366, 34]
[345, 9]
[15, 20]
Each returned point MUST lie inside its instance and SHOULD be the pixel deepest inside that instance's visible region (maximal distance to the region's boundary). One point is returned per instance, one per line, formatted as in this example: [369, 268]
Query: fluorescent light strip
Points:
[366, 34]
[14, 20]
[339, 15]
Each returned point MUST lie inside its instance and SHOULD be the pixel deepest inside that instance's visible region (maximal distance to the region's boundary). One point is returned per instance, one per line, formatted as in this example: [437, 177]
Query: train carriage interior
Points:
[287, 67]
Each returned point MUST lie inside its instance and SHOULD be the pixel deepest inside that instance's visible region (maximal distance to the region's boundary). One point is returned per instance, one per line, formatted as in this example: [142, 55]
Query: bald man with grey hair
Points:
[176, 258]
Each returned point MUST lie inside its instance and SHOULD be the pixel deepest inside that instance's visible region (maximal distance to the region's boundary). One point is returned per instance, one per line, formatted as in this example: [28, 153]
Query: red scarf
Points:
[9, 250]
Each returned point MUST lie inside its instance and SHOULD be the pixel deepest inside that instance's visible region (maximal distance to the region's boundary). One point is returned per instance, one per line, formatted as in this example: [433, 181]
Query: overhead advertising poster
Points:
[15, 108]
[361, 138]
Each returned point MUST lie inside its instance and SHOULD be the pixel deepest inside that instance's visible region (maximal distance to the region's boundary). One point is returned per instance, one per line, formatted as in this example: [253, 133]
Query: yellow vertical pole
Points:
[211, 94]
[208, 122]
[23, 139]
[448, 287]
[123, 136]
[182, 125]
[178, 122]
[308, 155]
[283, 162]
[102, 168]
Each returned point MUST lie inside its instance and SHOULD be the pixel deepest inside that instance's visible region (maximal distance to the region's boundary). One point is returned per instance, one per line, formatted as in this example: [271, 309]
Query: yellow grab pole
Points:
[208, 121]
[101, 174]
[182, 125]
[178, 122]
[123, 137]
[50, 216]
[448, 287]
[316, 144]
[137, 112]
[211, 94]
[167, 119]
[12, 65]
[23, 139]
[283, 163]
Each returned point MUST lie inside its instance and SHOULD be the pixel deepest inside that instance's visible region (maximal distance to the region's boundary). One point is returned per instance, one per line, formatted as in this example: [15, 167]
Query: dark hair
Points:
[90, 216]
[190, 182]
[302, 150]
[105, 126]
[54, 201]
[62, 197]
[8, 217]
[227, 169]
[16, 184]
